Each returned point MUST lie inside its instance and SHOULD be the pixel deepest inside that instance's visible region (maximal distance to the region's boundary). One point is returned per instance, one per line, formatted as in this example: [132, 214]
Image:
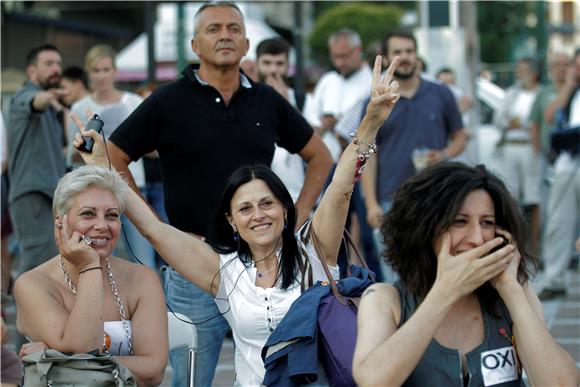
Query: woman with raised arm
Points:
[85, 299]
[251, 264]
[463, 312]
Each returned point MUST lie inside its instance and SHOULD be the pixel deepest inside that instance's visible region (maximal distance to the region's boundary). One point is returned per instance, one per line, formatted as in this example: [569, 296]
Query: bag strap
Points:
[332, 283]
[347, 239]
[348, 242]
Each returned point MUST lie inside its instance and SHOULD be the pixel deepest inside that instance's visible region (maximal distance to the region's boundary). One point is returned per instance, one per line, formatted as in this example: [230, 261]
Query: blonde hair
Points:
[99, 52]
[82, 178]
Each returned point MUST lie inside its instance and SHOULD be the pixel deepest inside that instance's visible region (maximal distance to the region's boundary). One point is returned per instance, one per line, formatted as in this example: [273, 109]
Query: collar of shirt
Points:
[244, 81]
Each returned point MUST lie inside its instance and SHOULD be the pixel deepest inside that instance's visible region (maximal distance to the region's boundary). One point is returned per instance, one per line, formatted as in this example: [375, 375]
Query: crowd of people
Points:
[219, 180]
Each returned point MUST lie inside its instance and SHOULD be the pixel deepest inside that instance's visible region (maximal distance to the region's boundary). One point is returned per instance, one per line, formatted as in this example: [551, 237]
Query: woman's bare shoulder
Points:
[41, 277]
[136, 275]
[382, 290]
[383, 298]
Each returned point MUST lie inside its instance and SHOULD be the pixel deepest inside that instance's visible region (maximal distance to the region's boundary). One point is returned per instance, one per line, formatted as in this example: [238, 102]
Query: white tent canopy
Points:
[132, 60]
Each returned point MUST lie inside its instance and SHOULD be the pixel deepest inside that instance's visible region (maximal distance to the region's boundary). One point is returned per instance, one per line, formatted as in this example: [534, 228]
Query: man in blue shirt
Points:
[426, 117]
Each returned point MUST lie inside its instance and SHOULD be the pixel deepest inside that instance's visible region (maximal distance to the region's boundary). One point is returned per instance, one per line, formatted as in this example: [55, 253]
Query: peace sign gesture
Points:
[384, 92]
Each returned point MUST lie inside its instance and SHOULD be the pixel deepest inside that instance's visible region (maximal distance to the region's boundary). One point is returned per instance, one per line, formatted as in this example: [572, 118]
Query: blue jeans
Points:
[389, 276]
[184, 297]
[136, 245]
[153, 192]
[366, 233]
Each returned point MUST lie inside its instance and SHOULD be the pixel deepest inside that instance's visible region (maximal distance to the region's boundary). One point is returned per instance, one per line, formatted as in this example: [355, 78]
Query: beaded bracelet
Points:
[362, 155]
[90, 268]
[365, 154]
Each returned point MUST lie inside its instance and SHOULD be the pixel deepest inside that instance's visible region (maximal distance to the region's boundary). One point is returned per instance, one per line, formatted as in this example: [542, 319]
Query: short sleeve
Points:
[294, 131]
[230, 270]
[139, 133]
[351, 119]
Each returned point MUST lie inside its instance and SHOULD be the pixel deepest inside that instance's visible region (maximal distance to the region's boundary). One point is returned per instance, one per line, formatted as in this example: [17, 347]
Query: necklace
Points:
[116, 298]
[260, 274]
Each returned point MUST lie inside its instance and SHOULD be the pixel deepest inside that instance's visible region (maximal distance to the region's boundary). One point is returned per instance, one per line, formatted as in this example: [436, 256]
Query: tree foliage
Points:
[501, 24]
[371, 21]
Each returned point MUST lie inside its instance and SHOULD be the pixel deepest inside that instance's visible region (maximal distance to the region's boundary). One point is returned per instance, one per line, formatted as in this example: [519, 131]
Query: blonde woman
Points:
[84, 298]
[113, 106]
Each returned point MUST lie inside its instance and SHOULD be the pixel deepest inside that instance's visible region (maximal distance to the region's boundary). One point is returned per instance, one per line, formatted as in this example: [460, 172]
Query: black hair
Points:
[444, 70]
[221, 235]
[397, 34]
[427, 204]
[535, 66]
[273, 46]
[76, 73]
[32, 55]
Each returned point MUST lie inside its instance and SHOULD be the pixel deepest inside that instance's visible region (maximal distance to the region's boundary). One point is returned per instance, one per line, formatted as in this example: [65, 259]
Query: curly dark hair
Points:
[427, 204]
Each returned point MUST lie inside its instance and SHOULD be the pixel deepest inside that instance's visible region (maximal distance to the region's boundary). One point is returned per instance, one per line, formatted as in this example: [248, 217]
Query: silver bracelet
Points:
[363, 150]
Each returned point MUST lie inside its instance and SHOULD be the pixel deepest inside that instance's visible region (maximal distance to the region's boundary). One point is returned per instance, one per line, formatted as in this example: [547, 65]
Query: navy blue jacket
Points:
[291, 352]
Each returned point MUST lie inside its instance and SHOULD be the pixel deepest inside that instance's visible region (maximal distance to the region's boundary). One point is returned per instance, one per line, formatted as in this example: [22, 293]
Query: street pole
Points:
[298, 46]
[180, 38]
[150, 15]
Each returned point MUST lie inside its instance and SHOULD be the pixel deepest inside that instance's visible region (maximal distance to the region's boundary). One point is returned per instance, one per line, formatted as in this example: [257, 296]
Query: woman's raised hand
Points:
[459, 275]
[384, 92]
[509, 276]
[98, 156]
[75, 247]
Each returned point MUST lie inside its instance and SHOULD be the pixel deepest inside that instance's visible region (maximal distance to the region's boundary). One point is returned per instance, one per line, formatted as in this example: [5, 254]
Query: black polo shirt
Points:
[201, 141]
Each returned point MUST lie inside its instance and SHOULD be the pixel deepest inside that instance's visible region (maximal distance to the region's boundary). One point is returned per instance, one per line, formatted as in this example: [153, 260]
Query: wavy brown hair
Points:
[426, 205]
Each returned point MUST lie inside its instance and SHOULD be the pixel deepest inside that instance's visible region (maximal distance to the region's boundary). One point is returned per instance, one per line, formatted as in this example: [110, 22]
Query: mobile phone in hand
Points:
[501, 245]
[94, 123]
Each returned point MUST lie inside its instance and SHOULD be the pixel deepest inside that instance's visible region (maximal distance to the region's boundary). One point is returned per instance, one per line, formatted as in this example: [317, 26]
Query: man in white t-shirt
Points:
[564, 203]
[339, 89]
[516, 159]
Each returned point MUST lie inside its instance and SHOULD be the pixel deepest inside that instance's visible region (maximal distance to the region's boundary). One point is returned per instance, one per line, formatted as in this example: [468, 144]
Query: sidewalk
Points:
[563, 317]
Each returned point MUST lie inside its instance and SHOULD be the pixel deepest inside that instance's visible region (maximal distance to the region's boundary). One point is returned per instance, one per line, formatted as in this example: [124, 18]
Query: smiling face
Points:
[102, 74]
[473, 225]
[95, 212]
[258, 215]
[220, 39]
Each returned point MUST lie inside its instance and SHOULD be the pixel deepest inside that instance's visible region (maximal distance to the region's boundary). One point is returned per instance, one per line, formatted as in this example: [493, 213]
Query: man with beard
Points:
[206, 125]
[35, 145]
[426, 117]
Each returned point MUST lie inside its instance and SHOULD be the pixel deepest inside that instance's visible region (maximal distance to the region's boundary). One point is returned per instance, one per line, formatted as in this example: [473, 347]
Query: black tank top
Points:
[493, 363]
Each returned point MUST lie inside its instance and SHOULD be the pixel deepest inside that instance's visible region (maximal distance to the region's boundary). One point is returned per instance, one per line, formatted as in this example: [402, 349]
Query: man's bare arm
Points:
[319, 163]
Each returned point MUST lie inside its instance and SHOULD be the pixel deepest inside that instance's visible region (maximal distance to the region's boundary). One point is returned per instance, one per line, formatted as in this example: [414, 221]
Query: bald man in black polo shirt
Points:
[204, 126]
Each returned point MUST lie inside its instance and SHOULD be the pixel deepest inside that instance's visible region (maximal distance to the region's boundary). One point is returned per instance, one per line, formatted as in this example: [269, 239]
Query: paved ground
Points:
[562, 317]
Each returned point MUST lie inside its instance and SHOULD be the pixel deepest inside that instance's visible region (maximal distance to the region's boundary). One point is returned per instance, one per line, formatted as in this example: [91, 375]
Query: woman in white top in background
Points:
[113, 106]
[252, 262]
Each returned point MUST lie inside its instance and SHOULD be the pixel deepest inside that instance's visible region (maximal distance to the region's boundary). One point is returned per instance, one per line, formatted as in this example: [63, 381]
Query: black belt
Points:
[518, 142]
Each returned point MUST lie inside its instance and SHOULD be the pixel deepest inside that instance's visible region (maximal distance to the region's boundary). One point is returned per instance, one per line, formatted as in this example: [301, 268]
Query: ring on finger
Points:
[87, 239]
